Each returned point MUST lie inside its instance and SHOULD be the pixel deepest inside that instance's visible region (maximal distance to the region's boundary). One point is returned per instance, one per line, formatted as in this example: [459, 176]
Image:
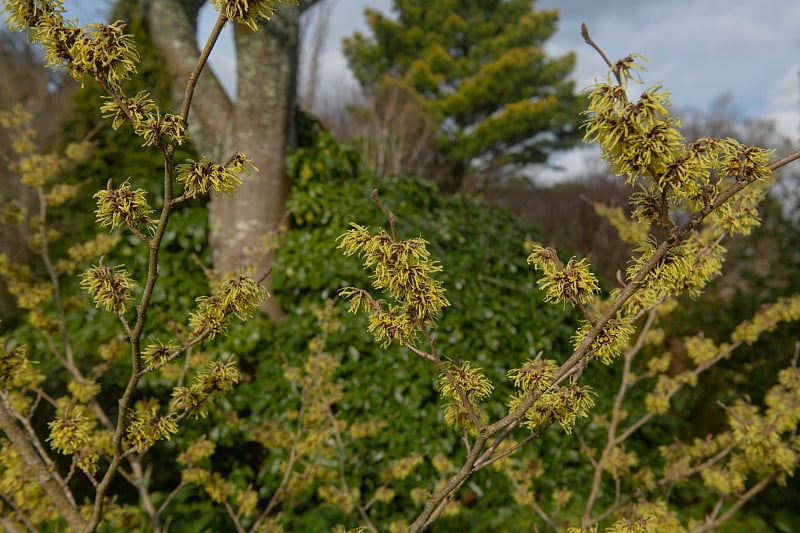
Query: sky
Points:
[700, 50]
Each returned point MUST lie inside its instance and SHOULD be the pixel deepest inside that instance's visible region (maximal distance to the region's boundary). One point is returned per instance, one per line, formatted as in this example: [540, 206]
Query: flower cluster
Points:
[247, 12]
[16, 370]
[146, 118]
[573, 283]
[636, 138]
[559, 404]
[739, 216]
[683, 269]
[701, 350]
[403, 270]
[146, 427]
[218, 376]
[471, 381]
[102, 51]
[197, 451]
[536, 374]
[610, 341]
[199, 177]
[70, 429]
[37, 170]
[234, 295]
[84, 390]
[767, 319]
[154, 129]
[764, 442]
[137, 108]
[123, 205]
[109, 286]
[642, 141]
[157, 354]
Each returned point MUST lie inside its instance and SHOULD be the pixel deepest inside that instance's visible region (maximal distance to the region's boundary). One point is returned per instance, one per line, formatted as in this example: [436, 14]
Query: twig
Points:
[362, 511]
[48, 479]
[611, 440]
[154, 245]
[388, 214]
[785, 160]
[174, 492]
[276, 496]
[191, 83]
[755, 489]
[587, 38]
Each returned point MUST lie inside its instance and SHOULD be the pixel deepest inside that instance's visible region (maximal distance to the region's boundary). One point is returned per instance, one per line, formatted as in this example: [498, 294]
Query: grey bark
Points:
[173, 24]
[266, 73]
[259, 123]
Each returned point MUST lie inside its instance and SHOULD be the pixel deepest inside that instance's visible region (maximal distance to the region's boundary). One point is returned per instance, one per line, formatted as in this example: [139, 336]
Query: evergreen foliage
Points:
[453, 392]
[494, 316]
[479, 71]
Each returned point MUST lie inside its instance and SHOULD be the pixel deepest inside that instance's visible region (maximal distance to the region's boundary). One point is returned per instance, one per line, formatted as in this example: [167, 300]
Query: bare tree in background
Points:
[396, 136]
[393, 133]
[314, 27]
[259, 121]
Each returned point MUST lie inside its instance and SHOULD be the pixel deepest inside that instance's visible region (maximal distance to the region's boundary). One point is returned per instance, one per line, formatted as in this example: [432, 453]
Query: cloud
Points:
[784, 102]
[568, 165]
[699, 50]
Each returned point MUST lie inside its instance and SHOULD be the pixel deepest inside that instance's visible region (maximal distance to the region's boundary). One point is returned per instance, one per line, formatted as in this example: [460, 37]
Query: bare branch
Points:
[46, 477]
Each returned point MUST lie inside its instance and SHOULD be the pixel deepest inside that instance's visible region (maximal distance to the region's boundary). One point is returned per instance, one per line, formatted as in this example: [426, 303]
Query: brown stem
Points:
[611, 440]
[201, 62]
[588, 40]
[170, 497]
[46, 477]
[388, 214]
[141, 482]
[234, 517]
[276, 496]
[755, 489]
[785, 160]
[341, 457]
[154, 245]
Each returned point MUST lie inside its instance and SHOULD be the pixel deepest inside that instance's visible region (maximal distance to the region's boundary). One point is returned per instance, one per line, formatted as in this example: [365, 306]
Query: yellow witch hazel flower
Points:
[70, 430]
[560, 404]
[403, 270]
[247, 12]
[609, 343]
[109, 286]
[470, 380]
[199, 177]
[218, 376]
[105, 53]
[234, 295]
[573, 283]
[535, 374]
[123, 205]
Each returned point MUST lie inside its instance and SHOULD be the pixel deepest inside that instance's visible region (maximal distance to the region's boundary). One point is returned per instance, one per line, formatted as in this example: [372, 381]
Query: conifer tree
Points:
[480, 72]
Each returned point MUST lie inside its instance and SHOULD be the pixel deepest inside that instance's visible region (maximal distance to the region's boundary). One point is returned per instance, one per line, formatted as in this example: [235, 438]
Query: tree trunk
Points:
[263, 119]
[259, 123]
[173, 25]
